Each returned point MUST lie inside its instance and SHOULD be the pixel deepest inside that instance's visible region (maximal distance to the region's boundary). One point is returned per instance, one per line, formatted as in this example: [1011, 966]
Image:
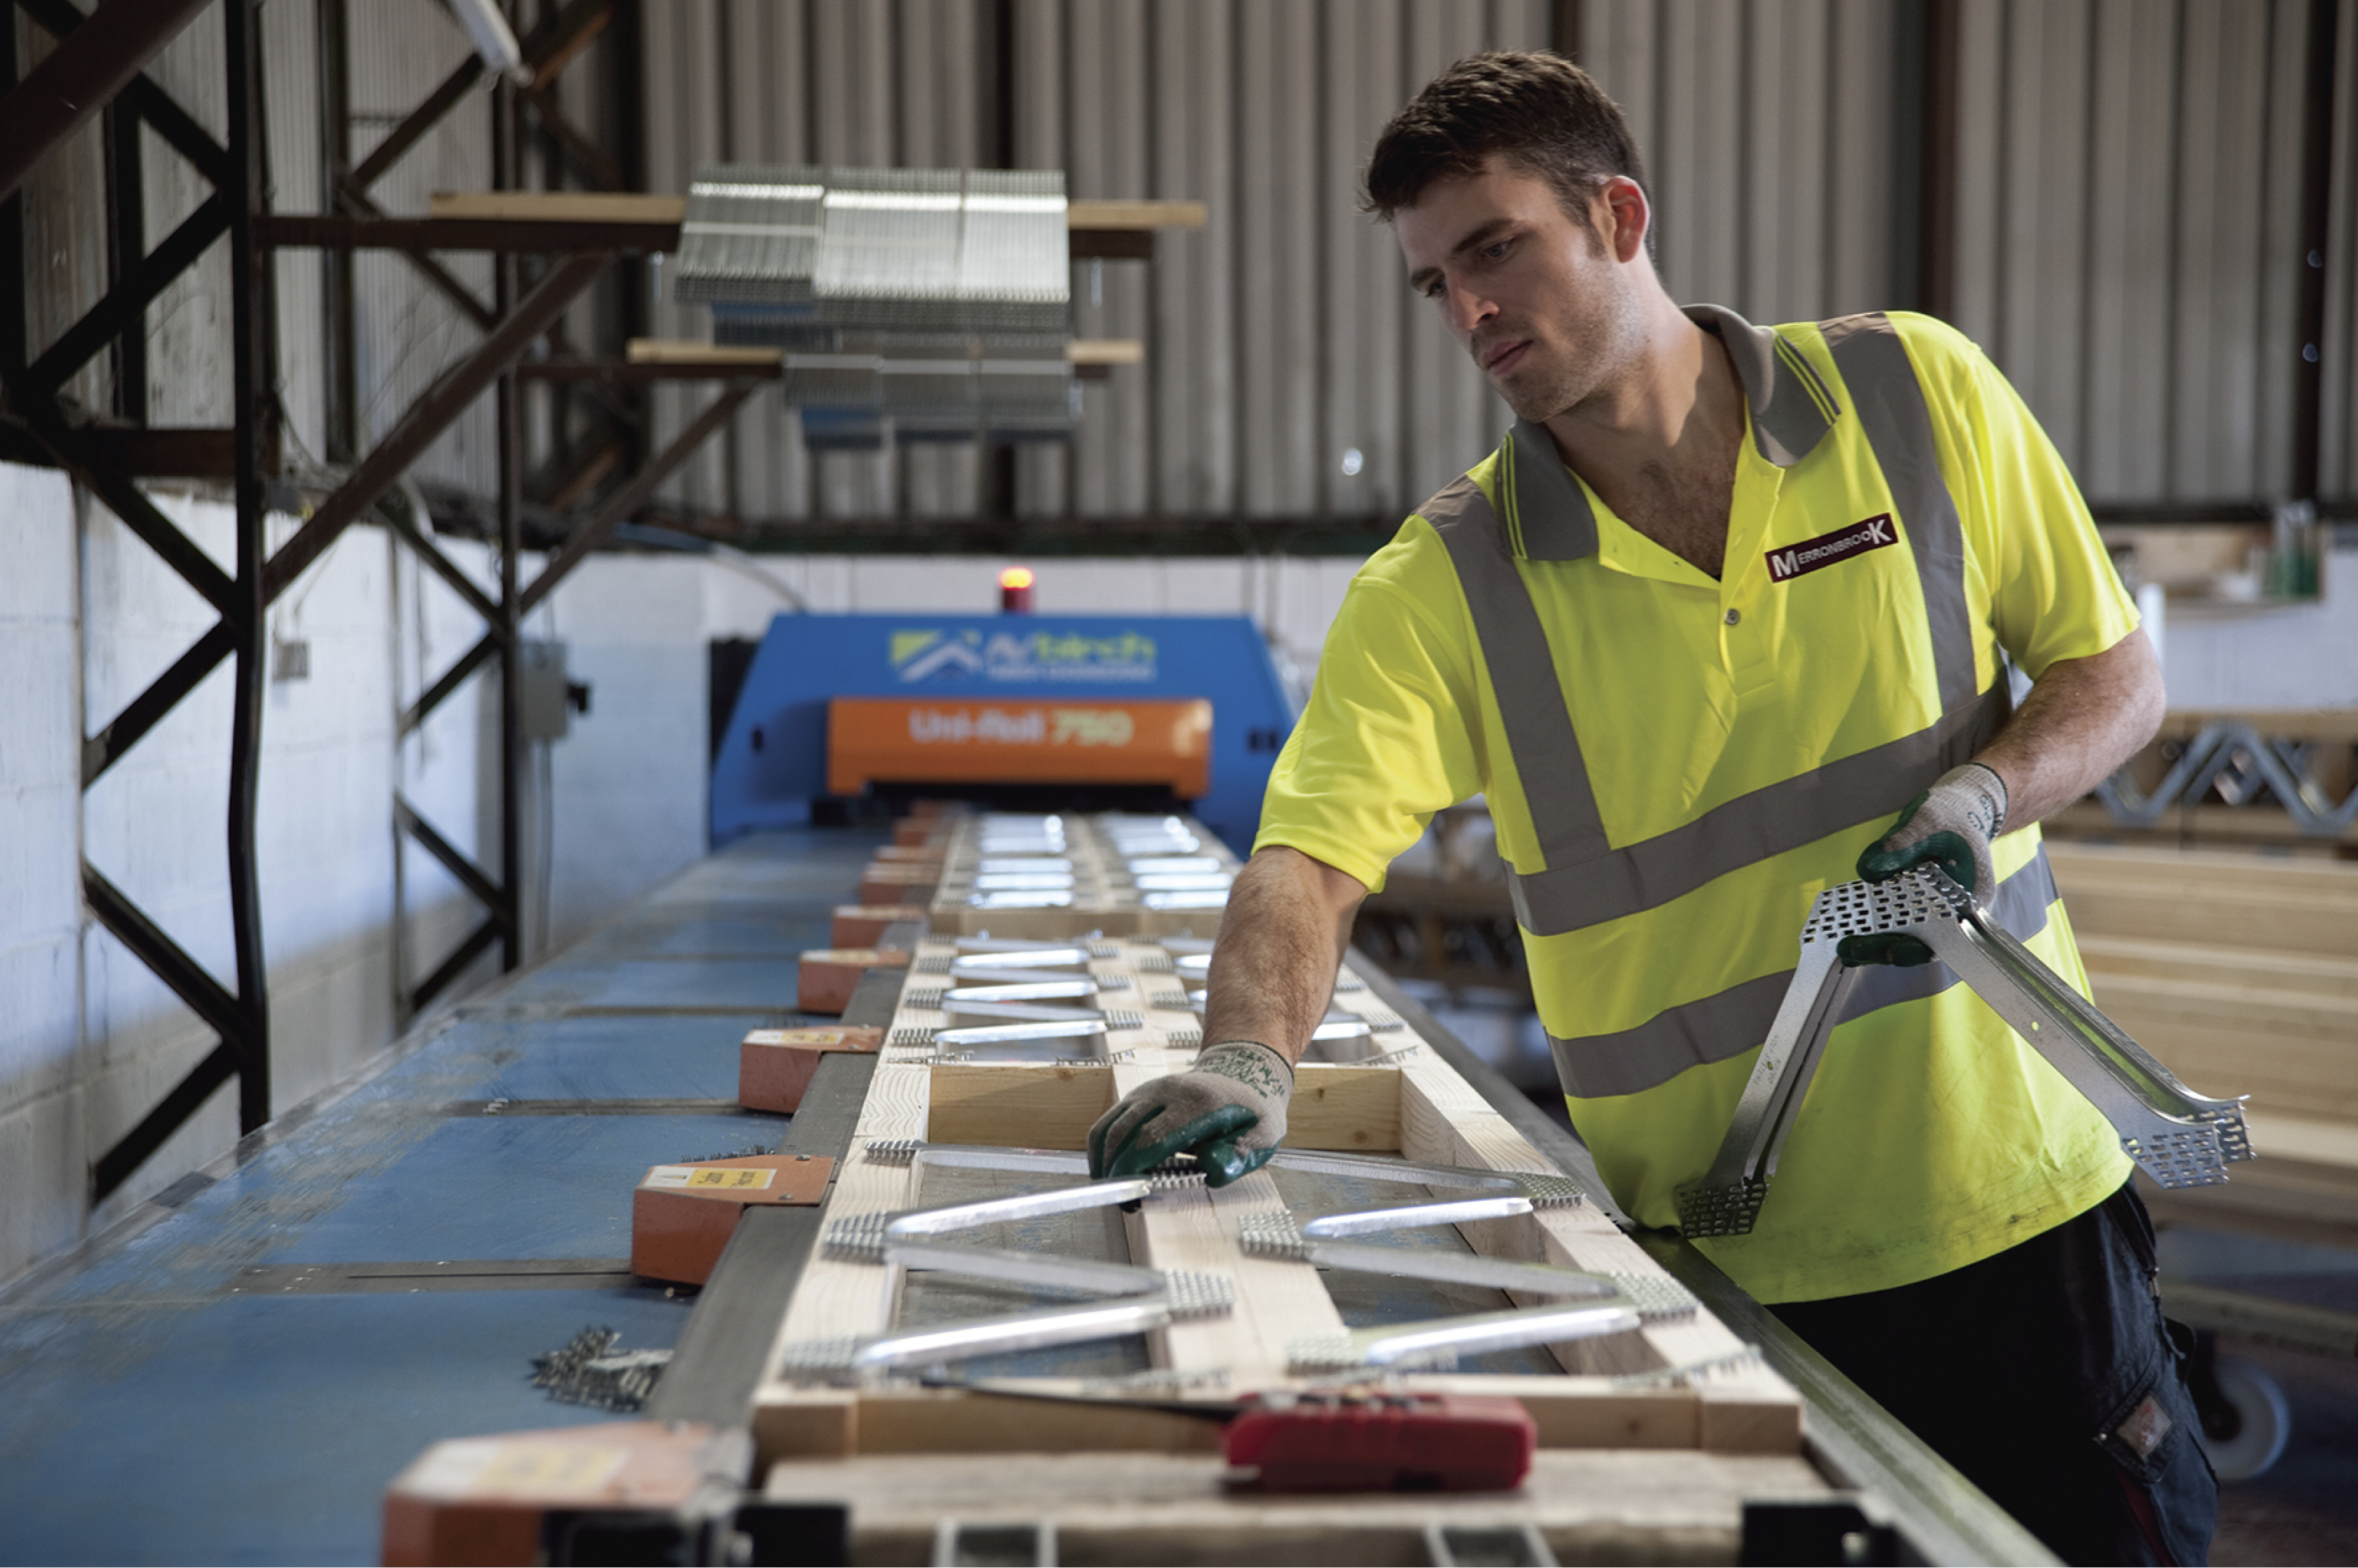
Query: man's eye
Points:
[1497, 250]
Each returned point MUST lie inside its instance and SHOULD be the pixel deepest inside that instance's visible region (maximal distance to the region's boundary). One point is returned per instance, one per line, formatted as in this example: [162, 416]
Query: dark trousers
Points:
[2048, 1376]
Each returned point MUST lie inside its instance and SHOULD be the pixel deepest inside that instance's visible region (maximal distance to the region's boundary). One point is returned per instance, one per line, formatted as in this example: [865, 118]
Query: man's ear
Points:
[1624, 216]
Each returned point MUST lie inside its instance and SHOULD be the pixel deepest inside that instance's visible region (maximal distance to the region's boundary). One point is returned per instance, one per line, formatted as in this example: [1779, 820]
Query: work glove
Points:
[1949, 826]
[1228, 1110]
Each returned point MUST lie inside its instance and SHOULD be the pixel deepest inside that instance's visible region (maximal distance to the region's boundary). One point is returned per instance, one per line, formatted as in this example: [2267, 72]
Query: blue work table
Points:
[234, 1373]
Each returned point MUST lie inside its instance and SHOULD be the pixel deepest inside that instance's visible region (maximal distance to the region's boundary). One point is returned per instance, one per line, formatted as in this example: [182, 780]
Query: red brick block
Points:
[774, 1065]
[827, 975]
[862, 924]
[682, 1216]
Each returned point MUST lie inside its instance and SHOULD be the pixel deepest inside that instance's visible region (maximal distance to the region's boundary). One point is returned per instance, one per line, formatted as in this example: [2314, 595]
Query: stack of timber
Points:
[1650, 1438]
[2240, 971]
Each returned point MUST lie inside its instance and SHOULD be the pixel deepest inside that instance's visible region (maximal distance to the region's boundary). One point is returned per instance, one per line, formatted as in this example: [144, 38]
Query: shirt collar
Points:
[1546, 511]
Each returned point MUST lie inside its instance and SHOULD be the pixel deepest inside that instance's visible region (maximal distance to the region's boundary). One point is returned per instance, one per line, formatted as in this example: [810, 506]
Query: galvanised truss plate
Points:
[2179, 1138]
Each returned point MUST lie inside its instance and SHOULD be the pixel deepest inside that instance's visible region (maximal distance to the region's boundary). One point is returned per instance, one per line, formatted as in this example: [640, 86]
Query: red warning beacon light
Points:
[1015, 591]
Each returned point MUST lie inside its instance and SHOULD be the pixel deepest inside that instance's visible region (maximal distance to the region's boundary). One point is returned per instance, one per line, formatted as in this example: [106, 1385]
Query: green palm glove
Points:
[1229, 1110]
[1949, 826]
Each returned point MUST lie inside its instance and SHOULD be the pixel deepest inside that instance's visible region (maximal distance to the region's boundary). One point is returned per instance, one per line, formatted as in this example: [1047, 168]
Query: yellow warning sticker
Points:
[732, 1178]
[549, 1470]
[740, 1176]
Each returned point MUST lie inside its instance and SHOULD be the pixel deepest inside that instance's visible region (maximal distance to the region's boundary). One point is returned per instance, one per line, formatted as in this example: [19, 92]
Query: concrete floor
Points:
[2305, 1507]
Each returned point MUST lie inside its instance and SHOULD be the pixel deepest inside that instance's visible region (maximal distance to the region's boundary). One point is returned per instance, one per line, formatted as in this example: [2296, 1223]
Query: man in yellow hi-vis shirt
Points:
[1723, 601]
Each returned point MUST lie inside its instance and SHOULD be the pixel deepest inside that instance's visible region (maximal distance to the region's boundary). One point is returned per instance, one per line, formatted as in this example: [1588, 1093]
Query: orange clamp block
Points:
[890, 882]
[483, 1500]
[827, 975]
[682, 1216]
[774, 1065]
[862, 924]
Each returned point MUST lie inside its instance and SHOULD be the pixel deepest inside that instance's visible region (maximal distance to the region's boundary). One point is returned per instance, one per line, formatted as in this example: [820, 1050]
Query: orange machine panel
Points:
[1050, 740]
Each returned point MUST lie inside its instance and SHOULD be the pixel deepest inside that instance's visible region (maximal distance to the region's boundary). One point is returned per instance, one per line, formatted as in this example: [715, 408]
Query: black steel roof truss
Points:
[143, 712]
[124, 308]
[472, 877]
[435, 695]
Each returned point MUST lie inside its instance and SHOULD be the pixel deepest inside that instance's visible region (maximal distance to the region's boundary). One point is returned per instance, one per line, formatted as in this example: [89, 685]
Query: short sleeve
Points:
[2050, 584]
[1385, 741]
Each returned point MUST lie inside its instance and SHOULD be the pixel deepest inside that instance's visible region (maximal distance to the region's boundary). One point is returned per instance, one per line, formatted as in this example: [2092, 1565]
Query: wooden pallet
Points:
[1412, 1104]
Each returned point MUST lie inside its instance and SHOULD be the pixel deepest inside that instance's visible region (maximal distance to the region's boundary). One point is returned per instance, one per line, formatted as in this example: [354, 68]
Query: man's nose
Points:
[1466, 310]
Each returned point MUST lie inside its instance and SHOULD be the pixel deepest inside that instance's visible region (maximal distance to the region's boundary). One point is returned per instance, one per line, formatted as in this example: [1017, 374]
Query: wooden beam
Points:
[557, 206]
[1138, 215]
[688, 351]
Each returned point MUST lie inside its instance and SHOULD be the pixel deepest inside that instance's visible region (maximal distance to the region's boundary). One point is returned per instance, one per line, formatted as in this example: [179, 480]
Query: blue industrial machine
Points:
[772, 763]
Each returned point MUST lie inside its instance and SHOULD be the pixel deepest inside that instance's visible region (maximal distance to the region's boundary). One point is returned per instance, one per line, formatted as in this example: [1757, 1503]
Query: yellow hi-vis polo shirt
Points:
[1678, 766]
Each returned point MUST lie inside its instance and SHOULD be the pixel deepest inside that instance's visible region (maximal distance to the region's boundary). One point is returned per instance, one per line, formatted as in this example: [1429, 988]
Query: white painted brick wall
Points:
[41, 1150]
[2277, 656]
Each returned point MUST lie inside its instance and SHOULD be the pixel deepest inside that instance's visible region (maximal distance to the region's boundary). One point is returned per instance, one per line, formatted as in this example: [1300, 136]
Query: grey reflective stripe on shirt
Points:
[1714, 1028]
[1769, 821]
[1890, 405]
[1540, 738]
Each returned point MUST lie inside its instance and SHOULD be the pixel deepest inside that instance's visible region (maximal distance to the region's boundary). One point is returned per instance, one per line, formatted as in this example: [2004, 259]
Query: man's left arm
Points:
[2052, 596]
[2083, 718]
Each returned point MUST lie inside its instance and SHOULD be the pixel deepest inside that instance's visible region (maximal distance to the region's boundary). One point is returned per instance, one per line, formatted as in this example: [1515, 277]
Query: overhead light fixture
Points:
[494, 40]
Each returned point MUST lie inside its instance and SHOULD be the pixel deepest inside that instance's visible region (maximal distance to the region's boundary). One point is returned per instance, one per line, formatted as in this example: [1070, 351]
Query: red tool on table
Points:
[1381, 1440]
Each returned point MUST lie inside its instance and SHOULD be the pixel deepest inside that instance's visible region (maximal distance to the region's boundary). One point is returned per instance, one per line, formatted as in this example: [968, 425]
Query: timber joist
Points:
[1678, 1379]
[2238, 969]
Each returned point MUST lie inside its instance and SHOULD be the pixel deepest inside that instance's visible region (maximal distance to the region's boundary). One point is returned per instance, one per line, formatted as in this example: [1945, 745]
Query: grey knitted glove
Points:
[1229, 1109]
[1951, 826]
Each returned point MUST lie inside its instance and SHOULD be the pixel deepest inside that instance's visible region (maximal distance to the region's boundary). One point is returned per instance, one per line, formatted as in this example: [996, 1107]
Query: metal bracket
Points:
[828, 1359]
[1144, 1299]
[870, 1235]
[1441, 1341]
[2179, 1137]
[1275, 1234]
[1536, 1190]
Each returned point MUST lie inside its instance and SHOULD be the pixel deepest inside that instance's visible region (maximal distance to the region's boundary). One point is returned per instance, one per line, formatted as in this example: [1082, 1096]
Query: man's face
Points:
[1537, 298]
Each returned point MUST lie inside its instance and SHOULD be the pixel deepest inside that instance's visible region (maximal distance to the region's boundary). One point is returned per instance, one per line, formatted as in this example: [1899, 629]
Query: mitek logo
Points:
[918, 654]
[1826, 549]
[1016, 658]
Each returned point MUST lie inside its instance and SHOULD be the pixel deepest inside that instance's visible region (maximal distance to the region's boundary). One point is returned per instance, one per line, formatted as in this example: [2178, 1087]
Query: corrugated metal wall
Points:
[2127, 219]
[1276, 337]
[2129, 234]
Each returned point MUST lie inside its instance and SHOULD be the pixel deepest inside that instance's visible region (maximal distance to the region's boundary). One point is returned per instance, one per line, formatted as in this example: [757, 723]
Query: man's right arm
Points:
[1287, 922]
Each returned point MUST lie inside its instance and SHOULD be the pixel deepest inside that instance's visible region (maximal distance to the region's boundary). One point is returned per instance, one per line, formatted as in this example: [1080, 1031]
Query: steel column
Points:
[339, 375]
[2315, 225]
[12, 296]
[513, 758]
[252, 377]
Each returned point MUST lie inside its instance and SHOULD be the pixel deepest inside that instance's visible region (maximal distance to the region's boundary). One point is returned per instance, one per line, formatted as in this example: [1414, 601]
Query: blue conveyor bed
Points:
[235, 1373]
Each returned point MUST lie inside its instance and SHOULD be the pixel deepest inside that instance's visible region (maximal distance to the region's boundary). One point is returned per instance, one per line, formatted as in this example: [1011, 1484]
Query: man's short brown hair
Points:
[1537, 111]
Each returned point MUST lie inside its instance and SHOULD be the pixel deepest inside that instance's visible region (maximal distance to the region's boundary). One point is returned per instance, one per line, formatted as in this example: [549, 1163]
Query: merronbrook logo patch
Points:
[1826, 549]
